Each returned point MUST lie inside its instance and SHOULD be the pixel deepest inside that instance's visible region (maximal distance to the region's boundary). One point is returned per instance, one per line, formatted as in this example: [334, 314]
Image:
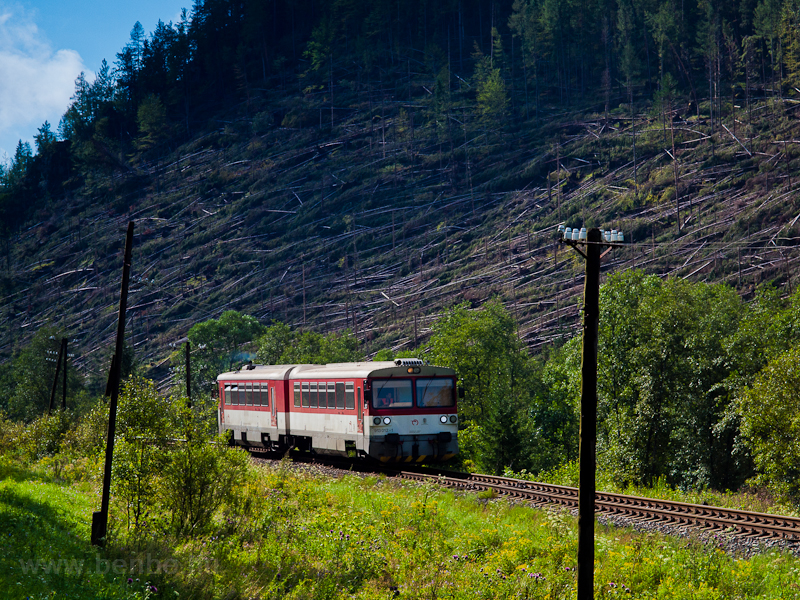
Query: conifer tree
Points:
[790, 41]
[491, 94]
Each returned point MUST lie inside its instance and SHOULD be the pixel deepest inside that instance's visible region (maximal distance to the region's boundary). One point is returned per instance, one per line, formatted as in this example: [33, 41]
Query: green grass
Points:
[306, 537]
[44, 542]
[301, 536]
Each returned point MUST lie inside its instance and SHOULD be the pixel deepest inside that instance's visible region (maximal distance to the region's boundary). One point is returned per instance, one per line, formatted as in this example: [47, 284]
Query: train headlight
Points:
[453, 418]
[376, 420]
[386, 420]
[443, 419]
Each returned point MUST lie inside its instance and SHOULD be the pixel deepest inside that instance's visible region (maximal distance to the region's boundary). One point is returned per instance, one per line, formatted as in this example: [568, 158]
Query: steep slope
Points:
[374, 218]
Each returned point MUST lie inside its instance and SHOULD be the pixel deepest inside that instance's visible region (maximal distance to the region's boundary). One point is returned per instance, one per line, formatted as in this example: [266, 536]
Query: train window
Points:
[235, 395]
[323, 399]
[249, 394]
[264, 395]
[340, 395]
[297, 393]
[305, 394]
[349, 395]
[314, 395]
[227, 394]
[272, 393]
[391, 393]
[331, 395]
[435, 392]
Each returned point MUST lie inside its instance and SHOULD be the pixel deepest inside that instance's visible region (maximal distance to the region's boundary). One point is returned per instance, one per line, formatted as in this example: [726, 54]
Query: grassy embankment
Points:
[44, 534]
[299, 536]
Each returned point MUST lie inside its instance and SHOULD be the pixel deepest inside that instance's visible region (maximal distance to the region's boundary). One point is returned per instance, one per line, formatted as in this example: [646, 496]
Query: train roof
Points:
[249, 372]
[335, 371]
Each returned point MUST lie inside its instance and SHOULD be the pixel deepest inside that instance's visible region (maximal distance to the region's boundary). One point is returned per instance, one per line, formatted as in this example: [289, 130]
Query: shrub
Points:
[144, 422]
[200, 475]
[88, 436]
[262, 123]
[43, 436]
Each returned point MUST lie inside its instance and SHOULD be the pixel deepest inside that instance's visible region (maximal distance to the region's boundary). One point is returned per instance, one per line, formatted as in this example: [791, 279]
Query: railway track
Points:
[676, 514]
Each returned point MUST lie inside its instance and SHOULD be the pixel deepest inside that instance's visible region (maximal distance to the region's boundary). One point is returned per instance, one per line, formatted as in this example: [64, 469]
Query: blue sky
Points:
[45, 44]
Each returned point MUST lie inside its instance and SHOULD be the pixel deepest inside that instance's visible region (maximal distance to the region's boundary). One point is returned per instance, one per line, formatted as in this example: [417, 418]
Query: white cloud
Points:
[36, 82]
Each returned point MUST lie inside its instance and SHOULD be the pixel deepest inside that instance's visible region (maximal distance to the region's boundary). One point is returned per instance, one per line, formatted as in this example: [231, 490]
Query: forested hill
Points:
[363, 164]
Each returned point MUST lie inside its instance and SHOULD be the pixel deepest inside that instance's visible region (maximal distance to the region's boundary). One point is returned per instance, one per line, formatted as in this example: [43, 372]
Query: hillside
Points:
[315, 229]
[372, 202]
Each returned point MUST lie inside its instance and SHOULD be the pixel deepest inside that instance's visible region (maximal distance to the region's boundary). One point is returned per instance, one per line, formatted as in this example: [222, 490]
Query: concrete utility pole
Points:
[588, 431]
[100, 519]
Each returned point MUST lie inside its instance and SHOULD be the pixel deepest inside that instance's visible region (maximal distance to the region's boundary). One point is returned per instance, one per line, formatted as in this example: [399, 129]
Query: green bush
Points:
[200, 475]
[10, 432]
[262, 123]
[88, 436]
[144, 424]
[172, 472]
[43, 436]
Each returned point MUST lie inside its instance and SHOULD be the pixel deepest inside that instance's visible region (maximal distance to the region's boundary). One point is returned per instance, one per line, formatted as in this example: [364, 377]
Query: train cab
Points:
[412, 412]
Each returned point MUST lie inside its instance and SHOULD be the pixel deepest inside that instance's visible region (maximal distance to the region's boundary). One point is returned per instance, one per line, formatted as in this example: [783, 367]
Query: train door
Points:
[360, 407]
[273, 405]
[221, 412]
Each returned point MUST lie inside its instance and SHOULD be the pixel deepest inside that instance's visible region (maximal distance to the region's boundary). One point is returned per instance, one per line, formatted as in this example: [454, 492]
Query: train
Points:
[390, 411]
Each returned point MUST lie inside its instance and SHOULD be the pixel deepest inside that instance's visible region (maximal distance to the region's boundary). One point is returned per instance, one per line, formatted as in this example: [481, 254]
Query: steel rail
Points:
[680, 514]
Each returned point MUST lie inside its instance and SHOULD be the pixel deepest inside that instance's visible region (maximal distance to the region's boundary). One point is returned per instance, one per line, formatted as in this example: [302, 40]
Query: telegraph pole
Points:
[188, 374]
[588, 426]
[64, 389]
[592, 243]
[100, 519]
[62, 355]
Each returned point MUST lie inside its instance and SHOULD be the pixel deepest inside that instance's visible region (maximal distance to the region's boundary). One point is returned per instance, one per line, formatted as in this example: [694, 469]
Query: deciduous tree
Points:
[770, 411]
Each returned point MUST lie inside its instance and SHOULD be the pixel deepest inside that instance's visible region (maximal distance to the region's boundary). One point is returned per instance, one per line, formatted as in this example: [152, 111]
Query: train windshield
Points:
[392, 393]
[435, 392]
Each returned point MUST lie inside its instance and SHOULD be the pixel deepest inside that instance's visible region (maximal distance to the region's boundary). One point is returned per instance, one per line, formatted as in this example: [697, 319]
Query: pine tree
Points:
[630, 66]
[20, 163]
[153, 123]
[44, 139]
[491, 88]
[790, 41]
[767, 24]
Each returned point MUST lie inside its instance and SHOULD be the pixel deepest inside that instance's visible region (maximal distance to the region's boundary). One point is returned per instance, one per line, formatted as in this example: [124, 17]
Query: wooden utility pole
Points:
[189, 374]
[62, 356]
[588, 425]
[100, 519]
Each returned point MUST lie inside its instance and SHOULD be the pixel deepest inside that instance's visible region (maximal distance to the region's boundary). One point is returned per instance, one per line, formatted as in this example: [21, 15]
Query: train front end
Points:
[412, 413]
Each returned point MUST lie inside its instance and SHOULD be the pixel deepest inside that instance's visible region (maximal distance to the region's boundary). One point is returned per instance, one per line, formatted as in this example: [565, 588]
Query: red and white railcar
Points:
[391, 411]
